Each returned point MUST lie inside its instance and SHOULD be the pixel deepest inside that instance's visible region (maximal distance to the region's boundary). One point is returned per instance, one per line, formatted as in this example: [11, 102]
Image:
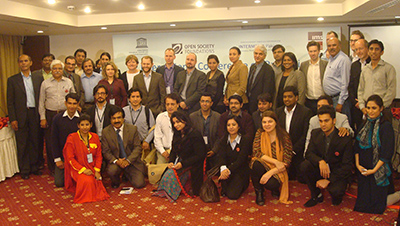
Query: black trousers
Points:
[257, 172]
[47, 136]
[236, 184]
[311, 174]
[27, 138]
[312, 105]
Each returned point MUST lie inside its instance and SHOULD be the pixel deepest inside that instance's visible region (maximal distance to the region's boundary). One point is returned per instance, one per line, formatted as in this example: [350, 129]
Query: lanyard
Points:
[98, 116]
[134, 122]
[85, 143]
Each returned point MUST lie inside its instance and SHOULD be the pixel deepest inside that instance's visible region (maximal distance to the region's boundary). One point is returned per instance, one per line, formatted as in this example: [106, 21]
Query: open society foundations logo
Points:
[178, 48]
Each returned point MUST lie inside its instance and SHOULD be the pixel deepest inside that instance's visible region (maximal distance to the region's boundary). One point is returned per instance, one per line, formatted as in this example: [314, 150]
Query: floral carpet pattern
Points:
[38, 202]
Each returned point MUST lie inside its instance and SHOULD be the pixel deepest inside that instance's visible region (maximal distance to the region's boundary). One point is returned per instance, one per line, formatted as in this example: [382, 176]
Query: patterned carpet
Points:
[38, 202]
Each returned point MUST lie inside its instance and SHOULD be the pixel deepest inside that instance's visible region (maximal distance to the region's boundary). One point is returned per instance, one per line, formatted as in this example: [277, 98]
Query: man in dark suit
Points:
[46, 70]
[294, 118]
[206, 121]
[355, 72]
[261, 78]
[121, 148]
[329, 160]
[100, 112]
[264, 104]
[314, 70]
[169, 71]
[69, 72]
[190, 85]
[22, 103]
[151, 85]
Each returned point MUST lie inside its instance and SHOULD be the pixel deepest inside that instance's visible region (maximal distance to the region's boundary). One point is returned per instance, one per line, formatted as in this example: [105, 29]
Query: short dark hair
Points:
[97, 87]
[80, 51]
[131, 90]
[376, 41]
[69, 58]
[72, 96]
[313, 43]
[334, 33]
[236, 97]
[278, 46]
[182, 117]
[265, 97]
[115, 109]
[48, 55]
[327, 98]
[327, 110]
[292, 89]
[84, 117]
[359, 33]
[207, 94]
[172, 96]
[212, 56]
[293, 58]
[237, 49]
[105, 54]
[88, 59]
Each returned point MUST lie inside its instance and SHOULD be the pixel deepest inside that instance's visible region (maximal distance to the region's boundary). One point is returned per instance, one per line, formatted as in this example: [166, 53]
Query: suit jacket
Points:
[124, 79]
[298, 126]
[92, 113]
[177, 69]
[76, 80]
[198, 123]
[297, 79]
[16, 97]
[339, 156]
[132, 145]
[322, 66]
[236, 161]
[263, 83]
[236, 81]
[154, 98]
[355, 72]
[195, 88]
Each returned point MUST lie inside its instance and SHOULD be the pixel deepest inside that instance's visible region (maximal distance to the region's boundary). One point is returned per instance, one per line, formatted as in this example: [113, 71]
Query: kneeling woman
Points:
[374, 149]
[272, 153]
[233, 151]
[82, 154]
[187, 154]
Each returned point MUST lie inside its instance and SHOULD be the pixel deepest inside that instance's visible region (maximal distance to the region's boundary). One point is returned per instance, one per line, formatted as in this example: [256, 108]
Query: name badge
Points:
[90, 158]
[205, 139]
[168, 90]
[112, 101]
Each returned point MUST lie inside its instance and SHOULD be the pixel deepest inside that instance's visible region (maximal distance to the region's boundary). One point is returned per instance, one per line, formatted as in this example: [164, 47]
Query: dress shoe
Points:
[259, 197]
[25, 176]
[336, 201]
[37, 173]
[275, 194]
[115, 185]
[314, 201]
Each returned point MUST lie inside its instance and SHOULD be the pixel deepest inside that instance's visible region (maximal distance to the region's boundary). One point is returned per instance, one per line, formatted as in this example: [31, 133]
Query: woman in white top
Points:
[132, 63]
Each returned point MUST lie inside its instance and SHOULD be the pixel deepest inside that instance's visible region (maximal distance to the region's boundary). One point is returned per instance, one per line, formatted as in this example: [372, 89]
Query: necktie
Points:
[122, 153]
[251, 78]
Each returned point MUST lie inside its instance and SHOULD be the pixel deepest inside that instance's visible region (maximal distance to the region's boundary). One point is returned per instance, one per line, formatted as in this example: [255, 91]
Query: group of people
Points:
[271, 123]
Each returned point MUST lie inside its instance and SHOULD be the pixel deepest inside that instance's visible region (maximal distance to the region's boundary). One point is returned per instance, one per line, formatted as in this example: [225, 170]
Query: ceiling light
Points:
[87, 9]
[199, 3]
[257, 1]
[40, 32]
[51, 2]
[103, 28]
[320, 0]
[141, 7]
[245, 22]
[172, 25]
[320, 19]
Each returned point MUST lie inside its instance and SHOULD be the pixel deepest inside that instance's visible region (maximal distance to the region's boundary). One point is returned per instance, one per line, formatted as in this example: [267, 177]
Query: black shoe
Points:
[37, 173]
[260, 197]
[275, 194]
[114, 185]
[314, 201]
[336, 201]
[25, 176]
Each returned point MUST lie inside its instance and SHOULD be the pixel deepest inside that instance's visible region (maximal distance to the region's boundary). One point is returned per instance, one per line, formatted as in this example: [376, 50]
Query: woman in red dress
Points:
[82, 154]
[115, 86]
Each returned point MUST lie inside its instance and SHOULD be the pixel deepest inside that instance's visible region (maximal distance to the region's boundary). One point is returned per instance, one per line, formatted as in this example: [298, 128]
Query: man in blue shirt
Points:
[90, 79]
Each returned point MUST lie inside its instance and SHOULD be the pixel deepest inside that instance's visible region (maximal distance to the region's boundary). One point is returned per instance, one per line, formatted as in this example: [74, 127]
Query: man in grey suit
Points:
[206, 121]
[69, 72]
[151, 85]
[169, 71]
[190, 85]
[122, 150]
[22, 103]
[314, 70]
[46, 70]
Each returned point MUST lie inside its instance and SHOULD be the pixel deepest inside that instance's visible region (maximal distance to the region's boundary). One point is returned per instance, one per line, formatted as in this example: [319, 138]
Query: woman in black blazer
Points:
[233, 151]
[215, 84]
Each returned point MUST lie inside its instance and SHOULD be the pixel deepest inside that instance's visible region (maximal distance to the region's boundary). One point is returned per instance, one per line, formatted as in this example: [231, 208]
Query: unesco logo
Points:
[178, 48]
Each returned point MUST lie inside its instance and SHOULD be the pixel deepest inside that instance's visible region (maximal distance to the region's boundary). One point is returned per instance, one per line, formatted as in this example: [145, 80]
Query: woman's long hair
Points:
[178, 140]
[280, 132]
[226, 133]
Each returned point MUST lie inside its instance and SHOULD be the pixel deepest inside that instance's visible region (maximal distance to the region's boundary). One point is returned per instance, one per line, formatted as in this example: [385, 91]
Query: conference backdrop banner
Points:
[216, 42]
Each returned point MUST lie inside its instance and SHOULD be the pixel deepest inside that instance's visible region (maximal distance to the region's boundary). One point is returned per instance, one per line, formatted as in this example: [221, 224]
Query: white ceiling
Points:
[26, 17]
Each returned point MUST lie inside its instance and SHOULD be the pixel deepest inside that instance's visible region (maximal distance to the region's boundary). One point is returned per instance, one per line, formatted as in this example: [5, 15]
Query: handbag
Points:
[209, 190]
[155, 171]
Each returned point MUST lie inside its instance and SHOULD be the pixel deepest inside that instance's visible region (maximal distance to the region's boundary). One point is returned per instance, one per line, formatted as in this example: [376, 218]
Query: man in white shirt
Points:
[163, 131]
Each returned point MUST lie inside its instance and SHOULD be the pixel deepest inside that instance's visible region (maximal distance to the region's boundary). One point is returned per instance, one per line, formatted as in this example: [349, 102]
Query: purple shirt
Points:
[169, 77]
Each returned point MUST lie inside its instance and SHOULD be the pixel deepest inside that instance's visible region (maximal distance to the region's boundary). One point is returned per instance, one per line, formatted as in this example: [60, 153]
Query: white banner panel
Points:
[216, 42]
